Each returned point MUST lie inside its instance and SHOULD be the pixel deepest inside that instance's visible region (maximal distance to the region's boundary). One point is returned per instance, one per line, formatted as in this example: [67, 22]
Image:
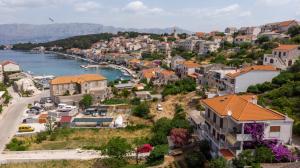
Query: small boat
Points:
[84, 66]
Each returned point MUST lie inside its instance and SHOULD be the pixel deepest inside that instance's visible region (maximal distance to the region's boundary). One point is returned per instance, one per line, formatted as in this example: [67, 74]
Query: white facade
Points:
[243, 81]
[227, 132]
[282, 58]
[11, 67]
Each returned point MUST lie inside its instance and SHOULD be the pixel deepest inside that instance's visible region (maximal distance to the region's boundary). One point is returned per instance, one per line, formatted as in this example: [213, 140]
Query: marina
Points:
[51, 64]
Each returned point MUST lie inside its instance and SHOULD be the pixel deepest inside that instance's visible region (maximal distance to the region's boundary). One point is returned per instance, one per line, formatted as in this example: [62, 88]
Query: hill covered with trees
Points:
[282, 94]
[83, 42]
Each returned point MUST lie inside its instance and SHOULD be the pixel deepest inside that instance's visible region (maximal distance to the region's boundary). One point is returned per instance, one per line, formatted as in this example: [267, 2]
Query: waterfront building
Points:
[283, 56]
[71, 89]
[10, 67]
[227, 116]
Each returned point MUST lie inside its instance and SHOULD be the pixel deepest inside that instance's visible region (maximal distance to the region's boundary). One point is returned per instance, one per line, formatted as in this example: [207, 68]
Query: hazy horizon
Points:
[193, 15]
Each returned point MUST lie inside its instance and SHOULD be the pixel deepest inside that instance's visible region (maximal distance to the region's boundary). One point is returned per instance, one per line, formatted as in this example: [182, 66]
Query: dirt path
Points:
[169, 105]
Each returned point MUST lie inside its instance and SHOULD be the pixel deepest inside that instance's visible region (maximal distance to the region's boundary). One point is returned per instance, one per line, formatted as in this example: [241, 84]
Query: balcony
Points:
[233, 138]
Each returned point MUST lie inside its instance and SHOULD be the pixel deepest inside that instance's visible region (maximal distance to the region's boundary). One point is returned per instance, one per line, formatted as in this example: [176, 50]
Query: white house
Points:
[9, 66]
[205, 47]
[1, 74]
[225, 120]
[187, 68]
[230, 30]
[283, 56]
[175, 61]
[240, 80]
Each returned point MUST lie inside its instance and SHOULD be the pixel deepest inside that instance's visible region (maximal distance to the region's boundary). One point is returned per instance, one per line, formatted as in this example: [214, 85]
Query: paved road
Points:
[27, 156]
[12, 116]
[43, 155]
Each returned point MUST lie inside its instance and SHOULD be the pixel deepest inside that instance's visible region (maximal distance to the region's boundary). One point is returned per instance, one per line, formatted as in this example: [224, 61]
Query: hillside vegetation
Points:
[83, 42]
[282, 94]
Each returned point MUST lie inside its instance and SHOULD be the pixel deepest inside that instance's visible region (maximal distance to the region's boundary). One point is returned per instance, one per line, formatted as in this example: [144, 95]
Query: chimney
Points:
[253, 100]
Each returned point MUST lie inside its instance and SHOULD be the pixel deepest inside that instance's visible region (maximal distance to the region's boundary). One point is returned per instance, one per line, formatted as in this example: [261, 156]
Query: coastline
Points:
[121, 68]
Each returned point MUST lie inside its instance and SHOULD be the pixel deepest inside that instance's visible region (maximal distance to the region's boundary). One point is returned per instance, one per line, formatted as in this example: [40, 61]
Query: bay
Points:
[52, 64]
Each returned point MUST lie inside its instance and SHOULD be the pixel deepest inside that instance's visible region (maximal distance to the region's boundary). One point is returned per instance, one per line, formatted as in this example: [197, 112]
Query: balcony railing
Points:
[233, 138]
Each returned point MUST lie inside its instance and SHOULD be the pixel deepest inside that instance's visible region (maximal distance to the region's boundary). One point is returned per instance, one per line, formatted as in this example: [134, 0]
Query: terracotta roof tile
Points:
[149, 73]
[227, 154]
[77, 79]
[242, 108]
[287, 47]
[252, 68]
[286, 23]
[190, 64]
[167, 72]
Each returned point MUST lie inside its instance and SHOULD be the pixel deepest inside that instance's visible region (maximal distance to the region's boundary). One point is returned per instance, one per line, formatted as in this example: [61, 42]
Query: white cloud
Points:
[273, 2]
[27, 3]
[227, 10]
[140, 7]
[246, 13]
[86, 6]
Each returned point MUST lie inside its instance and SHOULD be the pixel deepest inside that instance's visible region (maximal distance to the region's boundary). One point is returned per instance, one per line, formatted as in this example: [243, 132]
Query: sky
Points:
[194, 15]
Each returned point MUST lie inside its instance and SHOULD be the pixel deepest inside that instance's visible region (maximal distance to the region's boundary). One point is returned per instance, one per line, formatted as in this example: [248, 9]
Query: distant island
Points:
[24, 33]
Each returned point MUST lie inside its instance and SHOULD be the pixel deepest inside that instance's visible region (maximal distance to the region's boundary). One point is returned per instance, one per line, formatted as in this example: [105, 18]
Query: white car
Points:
[159, 107]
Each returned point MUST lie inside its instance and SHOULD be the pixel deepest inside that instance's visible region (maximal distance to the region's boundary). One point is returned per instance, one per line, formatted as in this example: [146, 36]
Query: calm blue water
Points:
[52, 64]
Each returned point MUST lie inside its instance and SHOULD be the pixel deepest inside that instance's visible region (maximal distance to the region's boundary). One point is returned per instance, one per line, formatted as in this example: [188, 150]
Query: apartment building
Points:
[71, 89]
[240, 80]
[283, 56]
[187, 68]
[225, 120]
[279, 27]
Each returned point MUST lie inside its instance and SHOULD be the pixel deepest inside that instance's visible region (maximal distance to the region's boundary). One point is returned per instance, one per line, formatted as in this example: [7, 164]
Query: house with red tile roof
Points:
[187, 68]
[164, 77]
[279, 27]
[239, 80]
[71, 89]
[225, 119]
[283, 56]
[10, 66]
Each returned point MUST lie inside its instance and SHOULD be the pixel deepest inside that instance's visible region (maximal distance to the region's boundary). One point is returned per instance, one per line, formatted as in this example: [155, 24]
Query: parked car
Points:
[25, 128]
[159, 107]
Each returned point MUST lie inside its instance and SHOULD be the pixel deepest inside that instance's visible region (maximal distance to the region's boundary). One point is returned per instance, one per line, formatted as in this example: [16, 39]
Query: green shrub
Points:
[245, 158]
[264, 155]
[40, 137]
[17, 145]
[218, 163]
[141, 110]
[157, 155]
[195, 159]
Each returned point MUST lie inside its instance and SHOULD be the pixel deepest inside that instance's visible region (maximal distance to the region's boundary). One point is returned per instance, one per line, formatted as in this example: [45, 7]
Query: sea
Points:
[39, 64]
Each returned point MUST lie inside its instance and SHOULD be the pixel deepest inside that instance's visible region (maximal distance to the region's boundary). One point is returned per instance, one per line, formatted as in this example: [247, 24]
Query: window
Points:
[274, 128]
[279, 54]
[221, 122]
[271, 61]
[290, 62]
[275, 53]
[208, 113]
[284, 53]
[215, 118]
[214, 132]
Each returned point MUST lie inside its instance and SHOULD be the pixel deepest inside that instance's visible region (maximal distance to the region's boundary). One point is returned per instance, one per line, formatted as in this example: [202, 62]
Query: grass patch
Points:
[73, 138]
[115, 101]
[52, 164]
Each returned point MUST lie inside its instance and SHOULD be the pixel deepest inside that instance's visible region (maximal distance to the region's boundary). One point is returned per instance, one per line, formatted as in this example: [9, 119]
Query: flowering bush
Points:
[256, 130]
[179, 136]
[280, 152]
[145, 148]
